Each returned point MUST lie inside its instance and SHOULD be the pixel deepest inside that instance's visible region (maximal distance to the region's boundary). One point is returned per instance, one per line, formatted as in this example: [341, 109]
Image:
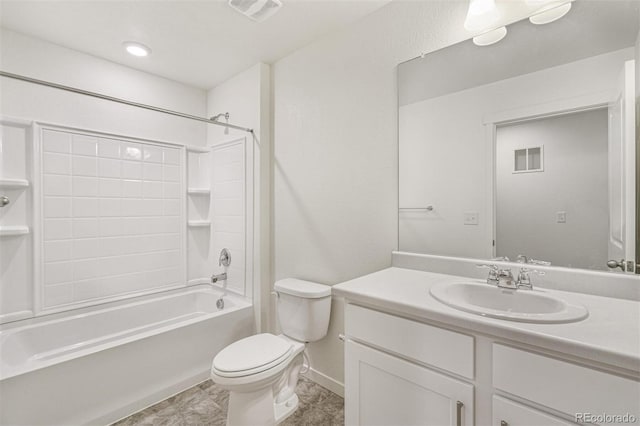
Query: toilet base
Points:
[286, 408]
[259, 408]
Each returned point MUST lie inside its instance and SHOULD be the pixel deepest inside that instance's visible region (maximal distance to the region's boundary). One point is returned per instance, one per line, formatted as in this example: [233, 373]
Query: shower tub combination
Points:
[97, 365]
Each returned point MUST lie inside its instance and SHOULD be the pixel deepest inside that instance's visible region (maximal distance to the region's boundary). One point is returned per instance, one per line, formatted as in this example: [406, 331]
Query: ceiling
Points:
[199, 43]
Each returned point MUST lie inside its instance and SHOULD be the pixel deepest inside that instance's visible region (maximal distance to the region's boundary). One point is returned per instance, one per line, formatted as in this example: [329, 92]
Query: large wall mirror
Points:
[525, 147]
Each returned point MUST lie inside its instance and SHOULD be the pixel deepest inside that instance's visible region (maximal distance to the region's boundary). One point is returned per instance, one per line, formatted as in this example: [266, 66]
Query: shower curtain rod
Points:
[121, 101]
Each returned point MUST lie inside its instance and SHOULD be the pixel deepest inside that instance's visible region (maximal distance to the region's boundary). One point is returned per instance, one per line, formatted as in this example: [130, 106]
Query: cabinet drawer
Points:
[563, 386]
[441, 348]
[515, 414]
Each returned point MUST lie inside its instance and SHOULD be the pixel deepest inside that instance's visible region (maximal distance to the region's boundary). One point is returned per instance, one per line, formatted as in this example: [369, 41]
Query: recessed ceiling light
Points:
[490, 37]
[136, 49]
[551, 13]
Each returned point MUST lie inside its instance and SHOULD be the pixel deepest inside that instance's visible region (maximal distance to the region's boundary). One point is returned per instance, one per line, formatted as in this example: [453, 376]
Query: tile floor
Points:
[206, 404]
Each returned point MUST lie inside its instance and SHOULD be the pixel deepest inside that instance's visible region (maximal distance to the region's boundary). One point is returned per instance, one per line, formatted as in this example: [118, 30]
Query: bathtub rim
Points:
[6, 330]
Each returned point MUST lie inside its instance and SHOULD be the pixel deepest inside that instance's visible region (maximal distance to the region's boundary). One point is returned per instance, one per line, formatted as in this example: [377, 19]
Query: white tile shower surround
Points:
[112, 217]
[228, 208]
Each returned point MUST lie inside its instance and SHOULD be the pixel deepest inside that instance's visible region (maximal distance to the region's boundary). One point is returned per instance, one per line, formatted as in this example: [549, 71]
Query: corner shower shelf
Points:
[14, 183]
[198, 150]
[199, 223]
[198, 191]
[10, 231]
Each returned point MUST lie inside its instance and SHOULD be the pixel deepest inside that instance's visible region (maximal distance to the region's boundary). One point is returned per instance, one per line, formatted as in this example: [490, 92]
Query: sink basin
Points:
[512, 305]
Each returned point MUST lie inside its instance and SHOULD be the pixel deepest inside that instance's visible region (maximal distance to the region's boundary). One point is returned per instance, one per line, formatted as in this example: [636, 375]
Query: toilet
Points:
[261, 371]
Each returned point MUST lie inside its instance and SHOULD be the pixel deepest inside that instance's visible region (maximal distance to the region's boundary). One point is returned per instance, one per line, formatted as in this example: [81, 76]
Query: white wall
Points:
[464, 160]
[39, 59]
[335, 149]
[574, 180]
[247, 98]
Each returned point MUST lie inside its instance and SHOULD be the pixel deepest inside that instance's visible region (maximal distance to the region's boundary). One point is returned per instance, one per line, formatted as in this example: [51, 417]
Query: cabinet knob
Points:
[4, 200]
[503, 423]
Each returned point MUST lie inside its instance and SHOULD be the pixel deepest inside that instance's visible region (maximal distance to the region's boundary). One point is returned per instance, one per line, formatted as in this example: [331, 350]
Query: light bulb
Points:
[490, 37]
[482, 14]
[552, 12]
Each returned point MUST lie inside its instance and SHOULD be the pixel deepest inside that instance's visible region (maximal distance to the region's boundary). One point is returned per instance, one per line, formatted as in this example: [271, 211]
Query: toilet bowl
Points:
[261, 371]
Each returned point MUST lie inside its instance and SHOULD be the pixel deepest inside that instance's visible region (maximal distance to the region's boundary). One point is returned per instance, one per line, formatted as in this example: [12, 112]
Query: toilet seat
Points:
[252, 355]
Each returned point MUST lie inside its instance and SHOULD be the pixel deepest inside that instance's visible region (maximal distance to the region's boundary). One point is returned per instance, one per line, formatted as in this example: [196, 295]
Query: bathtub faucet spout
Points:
[218, 277]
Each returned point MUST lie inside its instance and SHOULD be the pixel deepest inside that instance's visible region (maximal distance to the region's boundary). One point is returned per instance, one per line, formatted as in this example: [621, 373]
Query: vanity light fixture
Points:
[550, 12]
[136, 49]
[482, 14]
[490, 37]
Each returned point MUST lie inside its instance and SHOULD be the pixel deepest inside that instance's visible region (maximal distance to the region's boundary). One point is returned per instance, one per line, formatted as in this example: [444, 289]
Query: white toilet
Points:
[261, 371]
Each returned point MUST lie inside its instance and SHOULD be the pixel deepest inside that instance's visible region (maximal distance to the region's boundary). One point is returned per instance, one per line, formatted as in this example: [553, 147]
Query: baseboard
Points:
[325, 381]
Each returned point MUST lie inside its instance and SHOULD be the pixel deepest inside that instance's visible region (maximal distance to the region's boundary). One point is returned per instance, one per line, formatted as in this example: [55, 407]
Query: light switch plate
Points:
[470, 218]
[561, 217]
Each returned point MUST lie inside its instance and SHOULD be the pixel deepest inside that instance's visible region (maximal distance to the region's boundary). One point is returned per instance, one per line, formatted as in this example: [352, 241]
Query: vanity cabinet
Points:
[386, 382]
[386, 390]
[405, 372]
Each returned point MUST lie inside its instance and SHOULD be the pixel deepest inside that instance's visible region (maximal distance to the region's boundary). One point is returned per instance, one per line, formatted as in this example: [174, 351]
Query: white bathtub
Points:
[98, 365]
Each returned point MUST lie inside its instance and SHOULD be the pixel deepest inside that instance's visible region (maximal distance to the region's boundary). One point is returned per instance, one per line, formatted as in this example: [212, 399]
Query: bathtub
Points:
[97, 365]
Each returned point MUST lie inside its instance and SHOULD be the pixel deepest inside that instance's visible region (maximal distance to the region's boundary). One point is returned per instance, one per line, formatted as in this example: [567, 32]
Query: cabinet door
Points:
[510, 413]
[384, 390]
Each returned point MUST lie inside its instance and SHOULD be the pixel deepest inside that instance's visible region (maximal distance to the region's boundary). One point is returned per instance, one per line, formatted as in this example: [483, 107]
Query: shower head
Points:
[222, 114]
[226, 117]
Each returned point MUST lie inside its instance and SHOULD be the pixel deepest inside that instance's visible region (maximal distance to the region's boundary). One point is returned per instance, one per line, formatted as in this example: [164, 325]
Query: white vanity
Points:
[410, 359]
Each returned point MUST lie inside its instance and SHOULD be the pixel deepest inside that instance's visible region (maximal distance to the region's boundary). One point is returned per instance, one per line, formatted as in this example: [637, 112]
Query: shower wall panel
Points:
[113, 221]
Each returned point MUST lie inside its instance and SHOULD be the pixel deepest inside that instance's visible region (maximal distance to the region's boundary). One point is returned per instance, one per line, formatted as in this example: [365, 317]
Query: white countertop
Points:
[609, 335]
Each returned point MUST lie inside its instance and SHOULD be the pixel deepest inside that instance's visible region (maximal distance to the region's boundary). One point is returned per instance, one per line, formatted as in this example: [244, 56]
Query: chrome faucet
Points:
[223, 260]
[218, 277]
[524, 280]
[492, 279]
[506, 280]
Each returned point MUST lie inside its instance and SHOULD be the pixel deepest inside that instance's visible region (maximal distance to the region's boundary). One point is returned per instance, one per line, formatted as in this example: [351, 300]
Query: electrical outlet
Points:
[470, 218]
[561, 217]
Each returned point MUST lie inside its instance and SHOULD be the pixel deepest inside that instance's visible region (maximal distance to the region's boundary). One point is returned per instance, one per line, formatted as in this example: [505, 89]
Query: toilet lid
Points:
[252, 355]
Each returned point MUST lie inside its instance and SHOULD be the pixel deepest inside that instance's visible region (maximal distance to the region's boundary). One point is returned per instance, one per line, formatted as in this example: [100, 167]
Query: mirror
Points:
[526, 146]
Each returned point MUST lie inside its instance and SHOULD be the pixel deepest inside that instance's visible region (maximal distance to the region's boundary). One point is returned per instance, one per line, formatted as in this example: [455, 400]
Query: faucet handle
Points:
[225, 257]
[493, 272]
[523, 277]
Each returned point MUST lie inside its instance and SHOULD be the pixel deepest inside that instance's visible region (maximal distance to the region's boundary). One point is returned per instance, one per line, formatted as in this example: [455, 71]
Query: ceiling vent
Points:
[256, 10]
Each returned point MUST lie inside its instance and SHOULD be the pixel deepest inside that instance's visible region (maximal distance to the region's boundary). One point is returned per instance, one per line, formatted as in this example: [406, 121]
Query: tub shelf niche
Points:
[199, 191]
[199, 224]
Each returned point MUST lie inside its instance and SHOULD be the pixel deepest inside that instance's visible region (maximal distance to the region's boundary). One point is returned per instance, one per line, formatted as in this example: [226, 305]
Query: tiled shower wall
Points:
[222, 173]
[228, 209]
[112, 219]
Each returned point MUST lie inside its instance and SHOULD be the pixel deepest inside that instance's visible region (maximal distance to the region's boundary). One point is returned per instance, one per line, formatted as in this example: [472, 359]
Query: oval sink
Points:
[512, 305]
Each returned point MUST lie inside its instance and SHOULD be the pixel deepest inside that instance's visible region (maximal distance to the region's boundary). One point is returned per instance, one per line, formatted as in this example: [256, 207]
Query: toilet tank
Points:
[303, 309]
